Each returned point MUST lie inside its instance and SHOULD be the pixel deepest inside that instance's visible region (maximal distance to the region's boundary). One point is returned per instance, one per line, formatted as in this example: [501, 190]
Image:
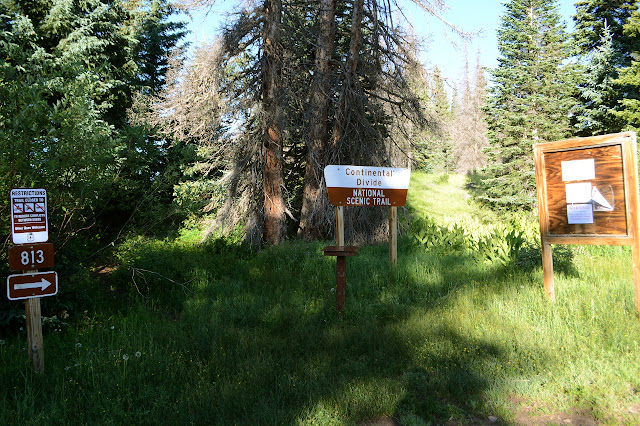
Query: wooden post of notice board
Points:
[588, 194]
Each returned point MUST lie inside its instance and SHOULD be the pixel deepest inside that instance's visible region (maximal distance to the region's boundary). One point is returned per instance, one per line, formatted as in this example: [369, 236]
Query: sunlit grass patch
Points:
[216, 334]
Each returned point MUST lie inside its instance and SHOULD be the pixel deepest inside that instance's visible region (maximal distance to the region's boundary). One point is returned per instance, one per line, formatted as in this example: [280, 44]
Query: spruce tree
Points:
[528, 101]
[67, 76]
[591, 19]
[603, 49]
[365, 90]
[598, 95]
[52, 130]
[434, 151]
[630, 77]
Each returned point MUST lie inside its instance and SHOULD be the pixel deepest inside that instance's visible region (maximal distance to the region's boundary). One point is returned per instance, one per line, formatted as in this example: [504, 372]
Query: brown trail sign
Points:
[369, 187]
[31, 256]
[36, 284]
[588, 194]
[29, 229]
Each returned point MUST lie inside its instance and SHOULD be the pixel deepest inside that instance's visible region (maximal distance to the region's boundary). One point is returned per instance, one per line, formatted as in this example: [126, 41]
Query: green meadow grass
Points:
[187, 333]
[443, 197]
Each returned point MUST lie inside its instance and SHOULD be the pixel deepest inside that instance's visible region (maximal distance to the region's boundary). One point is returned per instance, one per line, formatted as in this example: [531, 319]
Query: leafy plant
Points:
[487, 243]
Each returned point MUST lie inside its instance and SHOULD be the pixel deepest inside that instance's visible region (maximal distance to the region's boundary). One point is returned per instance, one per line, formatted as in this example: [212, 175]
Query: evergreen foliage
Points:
[630, 77]
[529, 100]
[604, 49]
[68, 72]
[598, 96]
[595, 17]
[434, 150]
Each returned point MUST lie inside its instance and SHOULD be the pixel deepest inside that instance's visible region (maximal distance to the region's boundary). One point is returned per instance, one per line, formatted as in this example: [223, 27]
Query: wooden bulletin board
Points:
[588, 194]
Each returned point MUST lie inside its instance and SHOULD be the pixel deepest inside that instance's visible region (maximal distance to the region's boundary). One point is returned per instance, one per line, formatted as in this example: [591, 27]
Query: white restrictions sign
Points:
[29, 221]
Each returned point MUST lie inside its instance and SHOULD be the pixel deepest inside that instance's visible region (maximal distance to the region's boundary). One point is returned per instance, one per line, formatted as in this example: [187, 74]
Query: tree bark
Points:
[349, 83]
[312, 199]
[274, 231]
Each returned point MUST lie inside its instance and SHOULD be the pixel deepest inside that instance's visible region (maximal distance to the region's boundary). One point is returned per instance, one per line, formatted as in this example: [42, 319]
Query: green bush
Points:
[504, 244]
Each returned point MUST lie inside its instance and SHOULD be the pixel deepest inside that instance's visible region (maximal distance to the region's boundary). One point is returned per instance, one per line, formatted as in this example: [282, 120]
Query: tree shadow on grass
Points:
[271, 349]
[238, 338]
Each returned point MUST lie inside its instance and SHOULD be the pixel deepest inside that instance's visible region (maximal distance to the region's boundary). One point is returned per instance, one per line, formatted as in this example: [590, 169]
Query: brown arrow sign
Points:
[26, 286]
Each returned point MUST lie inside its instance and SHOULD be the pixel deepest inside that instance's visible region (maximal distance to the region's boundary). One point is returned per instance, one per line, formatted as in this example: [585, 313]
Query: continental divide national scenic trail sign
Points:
[367, 186]
[363, 186]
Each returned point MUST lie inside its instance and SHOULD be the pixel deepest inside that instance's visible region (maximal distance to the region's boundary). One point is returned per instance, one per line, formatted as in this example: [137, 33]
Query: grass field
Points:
[188, 333]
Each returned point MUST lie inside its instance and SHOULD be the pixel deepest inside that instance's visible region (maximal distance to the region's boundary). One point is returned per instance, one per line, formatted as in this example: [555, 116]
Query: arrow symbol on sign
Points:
[42, 285]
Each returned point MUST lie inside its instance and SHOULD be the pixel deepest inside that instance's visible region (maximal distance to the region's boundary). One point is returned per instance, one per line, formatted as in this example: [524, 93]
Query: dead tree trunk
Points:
[312, 198]
[274, 230]
[349, 88]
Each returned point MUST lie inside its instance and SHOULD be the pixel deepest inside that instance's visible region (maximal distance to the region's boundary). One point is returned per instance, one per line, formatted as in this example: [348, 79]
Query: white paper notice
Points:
[579, 170]
[579, 193]
[580, 213]
[601, 203]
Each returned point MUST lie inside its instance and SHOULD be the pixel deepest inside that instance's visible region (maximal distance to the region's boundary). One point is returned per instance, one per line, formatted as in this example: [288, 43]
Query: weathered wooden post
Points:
[340, 252]
[393, 236]
[340, 225]
[29, 232]
[34, 334]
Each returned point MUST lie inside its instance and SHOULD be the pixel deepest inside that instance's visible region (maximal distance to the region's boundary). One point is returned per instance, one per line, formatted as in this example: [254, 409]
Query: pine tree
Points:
[598, 95]
[603, 49]
[630, 77]
[591, 19]
[528, 101]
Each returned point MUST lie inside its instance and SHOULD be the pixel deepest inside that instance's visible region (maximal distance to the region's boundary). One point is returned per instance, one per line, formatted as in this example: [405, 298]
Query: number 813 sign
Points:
[31, 256]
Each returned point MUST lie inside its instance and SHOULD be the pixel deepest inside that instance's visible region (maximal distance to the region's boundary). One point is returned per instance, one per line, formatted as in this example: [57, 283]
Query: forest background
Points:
[102, 106]
[188, 212]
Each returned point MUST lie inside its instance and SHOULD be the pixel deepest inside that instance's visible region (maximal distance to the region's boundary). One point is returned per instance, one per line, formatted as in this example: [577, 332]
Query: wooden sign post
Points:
[30, 231]
[363, 186]
[588, 194]
[369, 187]
[34, 333]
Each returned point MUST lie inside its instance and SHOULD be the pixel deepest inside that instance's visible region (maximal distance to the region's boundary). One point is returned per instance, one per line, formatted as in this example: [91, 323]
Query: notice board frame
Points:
[615, 165]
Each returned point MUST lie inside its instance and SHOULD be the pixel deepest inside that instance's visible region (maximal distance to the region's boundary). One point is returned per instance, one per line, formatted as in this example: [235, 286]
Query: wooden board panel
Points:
[606, 163]
[609, 179]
